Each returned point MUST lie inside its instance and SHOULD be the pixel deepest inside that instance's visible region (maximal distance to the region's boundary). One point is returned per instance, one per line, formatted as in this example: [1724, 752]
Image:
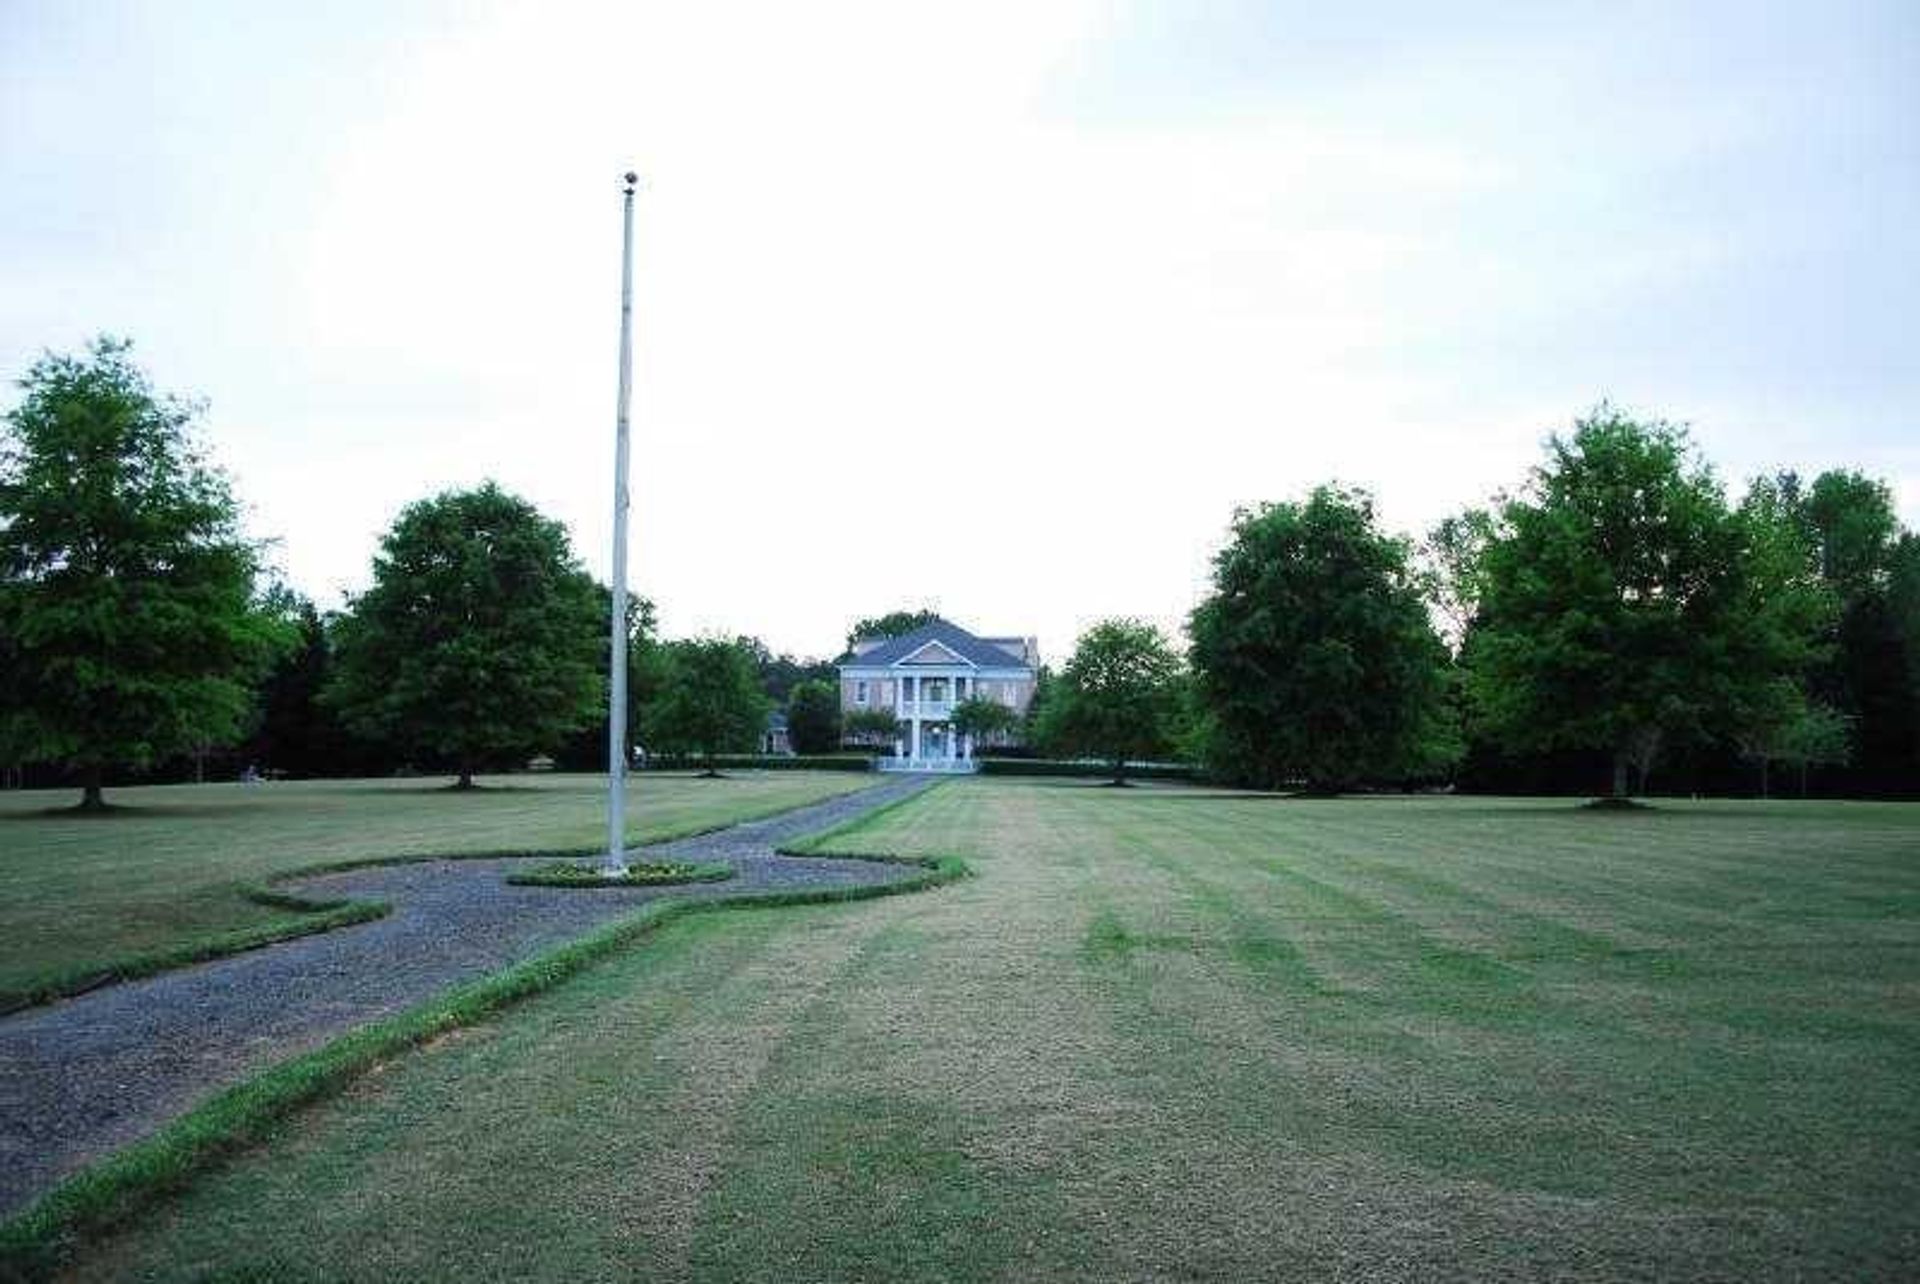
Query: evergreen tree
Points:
[813, 717]
[1869, 674]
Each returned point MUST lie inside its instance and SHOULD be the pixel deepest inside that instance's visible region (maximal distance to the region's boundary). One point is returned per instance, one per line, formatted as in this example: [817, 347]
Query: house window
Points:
[860, 692]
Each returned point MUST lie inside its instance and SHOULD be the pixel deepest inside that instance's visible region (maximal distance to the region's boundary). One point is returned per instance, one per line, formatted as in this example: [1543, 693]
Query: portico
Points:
[924, 703]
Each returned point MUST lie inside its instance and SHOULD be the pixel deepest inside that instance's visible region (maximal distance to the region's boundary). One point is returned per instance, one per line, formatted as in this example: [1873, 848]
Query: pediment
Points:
[934, 653]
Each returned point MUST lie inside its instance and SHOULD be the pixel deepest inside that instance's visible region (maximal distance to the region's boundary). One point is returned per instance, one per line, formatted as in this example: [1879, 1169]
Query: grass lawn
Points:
[1170, 1035]
[78, 891]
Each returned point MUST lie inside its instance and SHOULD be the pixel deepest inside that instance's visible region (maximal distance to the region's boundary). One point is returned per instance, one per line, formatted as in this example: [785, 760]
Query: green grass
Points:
[1168, 1035]
[35, 1243]
[177, 875]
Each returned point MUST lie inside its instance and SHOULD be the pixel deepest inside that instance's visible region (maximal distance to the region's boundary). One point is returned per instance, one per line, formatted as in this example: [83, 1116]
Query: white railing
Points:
[925, 709]
[951, 766]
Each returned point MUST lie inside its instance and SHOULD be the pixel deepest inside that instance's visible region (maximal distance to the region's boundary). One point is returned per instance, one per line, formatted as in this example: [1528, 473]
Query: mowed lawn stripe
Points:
[1168, 1036]
[77, 892]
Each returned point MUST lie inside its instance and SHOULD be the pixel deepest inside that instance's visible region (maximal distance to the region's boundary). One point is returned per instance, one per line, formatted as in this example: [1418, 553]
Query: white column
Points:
[916, 737]
[899, 707]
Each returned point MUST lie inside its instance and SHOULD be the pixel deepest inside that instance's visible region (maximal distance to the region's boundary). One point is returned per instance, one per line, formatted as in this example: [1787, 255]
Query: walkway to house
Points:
[84, 1077]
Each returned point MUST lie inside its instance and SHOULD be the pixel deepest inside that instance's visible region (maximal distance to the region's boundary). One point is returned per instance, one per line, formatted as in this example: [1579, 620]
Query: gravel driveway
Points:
[89, 1075]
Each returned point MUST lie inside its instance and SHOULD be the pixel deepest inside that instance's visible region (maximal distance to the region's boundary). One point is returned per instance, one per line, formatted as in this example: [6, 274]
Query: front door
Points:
[933, 741]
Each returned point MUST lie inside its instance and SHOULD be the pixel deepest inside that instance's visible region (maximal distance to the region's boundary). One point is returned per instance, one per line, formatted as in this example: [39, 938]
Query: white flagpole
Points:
[616, 863]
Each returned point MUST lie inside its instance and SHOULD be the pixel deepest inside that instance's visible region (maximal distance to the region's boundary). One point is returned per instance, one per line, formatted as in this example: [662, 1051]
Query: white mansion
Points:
[922, 675]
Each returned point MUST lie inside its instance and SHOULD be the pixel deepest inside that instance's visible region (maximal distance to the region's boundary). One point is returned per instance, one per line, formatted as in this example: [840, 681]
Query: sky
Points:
[998, 308]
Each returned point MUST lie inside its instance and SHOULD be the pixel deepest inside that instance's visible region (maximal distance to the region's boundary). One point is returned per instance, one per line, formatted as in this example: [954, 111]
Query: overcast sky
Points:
[1002, 309]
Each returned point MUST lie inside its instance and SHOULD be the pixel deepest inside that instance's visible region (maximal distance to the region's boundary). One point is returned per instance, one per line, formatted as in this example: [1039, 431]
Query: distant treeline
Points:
[1615, 623]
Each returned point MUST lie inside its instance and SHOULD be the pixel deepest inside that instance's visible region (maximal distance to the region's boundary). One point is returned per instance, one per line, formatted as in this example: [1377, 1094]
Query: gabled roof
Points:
[970, 649]
[1021, 649]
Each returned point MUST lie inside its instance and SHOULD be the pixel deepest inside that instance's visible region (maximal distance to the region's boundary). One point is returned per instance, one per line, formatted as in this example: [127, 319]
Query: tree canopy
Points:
[1314, 658]
[891, 625]
[481, 637]
[781, 673]
[871, 727]
[984, 720]
[710, 702]
[1116, 697]
[294, 732]
[1869, 673]
[127, 594]
[1621, 605]
[813, 717]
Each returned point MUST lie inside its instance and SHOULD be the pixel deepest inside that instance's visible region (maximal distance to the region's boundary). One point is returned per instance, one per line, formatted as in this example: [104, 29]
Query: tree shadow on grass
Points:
[1157, 788]
[1558, 809]
[436, 788]
[124, 811]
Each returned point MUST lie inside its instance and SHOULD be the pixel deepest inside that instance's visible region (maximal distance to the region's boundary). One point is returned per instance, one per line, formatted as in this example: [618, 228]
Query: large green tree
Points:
[781, 673]
[1314, 658]
[984, 721]
[586, 749]
[813, 717]
[873, 728]
[481, 637]
[1903, 605]
[294, 733]
[1871, 671]
[1117, 697]
[126, 590]
[1622, 606]
[710, 702]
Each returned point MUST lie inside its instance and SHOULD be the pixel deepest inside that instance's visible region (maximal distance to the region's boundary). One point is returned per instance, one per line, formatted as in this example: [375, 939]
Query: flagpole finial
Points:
[630, 178]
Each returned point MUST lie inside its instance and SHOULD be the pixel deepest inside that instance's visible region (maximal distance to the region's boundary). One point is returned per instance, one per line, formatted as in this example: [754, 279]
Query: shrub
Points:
[1088, 769]
[568, 873]
[765, 762]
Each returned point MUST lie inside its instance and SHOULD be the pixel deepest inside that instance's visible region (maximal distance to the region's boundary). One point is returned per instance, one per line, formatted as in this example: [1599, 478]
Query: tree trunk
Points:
[1763, 777]
[90, 795]
[1119, 771]
[1619, 774]
[466, 775]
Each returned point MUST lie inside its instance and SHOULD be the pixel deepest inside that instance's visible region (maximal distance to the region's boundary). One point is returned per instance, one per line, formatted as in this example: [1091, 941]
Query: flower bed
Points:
[568, 873]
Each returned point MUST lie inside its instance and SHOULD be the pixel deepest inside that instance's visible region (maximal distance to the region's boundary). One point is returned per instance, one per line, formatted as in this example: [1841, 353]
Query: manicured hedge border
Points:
[34, 1243]
[765, 762]
[327, 915]
[1090, 770]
